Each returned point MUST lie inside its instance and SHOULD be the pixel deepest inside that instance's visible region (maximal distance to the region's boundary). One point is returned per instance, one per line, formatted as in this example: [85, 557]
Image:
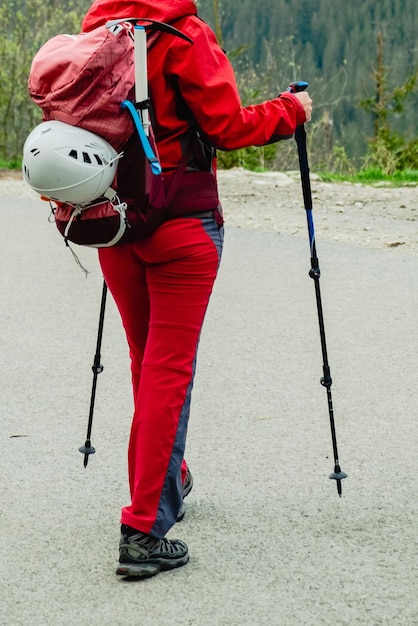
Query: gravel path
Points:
[271, 543]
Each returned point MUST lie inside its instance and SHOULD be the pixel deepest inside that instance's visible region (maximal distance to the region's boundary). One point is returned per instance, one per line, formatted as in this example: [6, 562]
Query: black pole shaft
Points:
[315, 273]
[97, 368]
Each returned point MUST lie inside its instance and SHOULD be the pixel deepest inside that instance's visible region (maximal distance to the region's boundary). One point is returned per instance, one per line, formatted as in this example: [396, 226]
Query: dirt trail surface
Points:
[363, 215]
[373, 217]
[270, 541]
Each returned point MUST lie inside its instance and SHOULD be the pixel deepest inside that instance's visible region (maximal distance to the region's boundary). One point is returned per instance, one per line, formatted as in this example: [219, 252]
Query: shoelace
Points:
[148, 542]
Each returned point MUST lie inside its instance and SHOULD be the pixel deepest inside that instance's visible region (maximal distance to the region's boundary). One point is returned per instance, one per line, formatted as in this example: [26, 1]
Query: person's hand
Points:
[305, 100]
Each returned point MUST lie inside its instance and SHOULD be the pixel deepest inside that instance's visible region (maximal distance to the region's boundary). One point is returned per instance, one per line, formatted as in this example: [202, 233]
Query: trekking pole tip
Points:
[338, 475]
[87, 449]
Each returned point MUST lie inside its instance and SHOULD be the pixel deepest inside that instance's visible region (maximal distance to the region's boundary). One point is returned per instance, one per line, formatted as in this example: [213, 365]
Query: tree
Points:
[389, 151]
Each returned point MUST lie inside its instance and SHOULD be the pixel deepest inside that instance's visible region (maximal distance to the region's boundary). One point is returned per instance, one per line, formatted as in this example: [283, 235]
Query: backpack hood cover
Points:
[161, 10]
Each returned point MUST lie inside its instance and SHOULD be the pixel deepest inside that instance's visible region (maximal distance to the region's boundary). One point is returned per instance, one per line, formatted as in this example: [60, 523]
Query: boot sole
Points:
[146, 570]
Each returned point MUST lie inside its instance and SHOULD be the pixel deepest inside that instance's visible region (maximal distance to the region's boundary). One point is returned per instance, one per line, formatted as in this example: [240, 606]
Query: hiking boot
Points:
[181, 513]
[188, 483]
[143, 555]
[187, 487]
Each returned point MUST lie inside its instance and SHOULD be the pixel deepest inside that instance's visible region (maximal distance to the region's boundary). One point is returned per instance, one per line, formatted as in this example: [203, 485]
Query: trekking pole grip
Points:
[299, 85]
[300, 134]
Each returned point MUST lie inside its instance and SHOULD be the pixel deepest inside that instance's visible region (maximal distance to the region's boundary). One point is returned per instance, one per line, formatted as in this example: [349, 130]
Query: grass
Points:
[10, 165]
[373, 176]
[366, 176]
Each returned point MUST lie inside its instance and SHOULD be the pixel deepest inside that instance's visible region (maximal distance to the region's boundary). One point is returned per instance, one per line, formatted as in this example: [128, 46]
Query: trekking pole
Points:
[315, 273]
[97, 368]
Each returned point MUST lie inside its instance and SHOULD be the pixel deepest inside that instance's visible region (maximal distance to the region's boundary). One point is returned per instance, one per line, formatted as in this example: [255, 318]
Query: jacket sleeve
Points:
[207, 83]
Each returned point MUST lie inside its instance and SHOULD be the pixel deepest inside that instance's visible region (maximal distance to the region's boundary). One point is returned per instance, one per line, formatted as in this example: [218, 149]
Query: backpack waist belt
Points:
[197, 193]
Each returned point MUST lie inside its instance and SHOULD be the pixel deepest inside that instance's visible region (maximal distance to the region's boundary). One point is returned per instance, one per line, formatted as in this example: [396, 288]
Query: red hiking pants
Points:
[162, 287]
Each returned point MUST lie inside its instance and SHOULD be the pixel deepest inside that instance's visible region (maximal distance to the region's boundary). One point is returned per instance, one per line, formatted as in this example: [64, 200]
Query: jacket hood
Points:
[161, 10]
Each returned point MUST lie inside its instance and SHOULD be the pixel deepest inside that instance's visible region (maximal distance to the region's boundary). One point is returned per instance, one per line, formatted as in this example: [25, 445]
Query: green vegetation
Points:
[374, 176]
[332, 45]
[360, 59]
[24, 26]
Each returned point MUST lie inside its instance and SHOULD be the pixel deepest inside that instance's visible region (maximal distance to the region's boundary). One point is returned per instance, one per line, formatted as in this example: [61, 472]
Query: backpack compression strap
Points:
[149, 153]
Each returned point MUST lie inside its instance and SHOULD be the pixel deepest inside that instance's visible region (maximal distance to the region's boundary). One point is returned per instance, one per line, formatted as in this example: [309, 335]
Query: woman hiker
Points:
[162, 285]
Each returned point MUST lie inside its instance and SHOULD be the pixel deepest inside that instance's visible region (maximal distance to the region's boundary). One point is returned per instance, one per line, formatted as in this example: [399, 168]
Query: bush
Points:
[25, 25]
[252, 158]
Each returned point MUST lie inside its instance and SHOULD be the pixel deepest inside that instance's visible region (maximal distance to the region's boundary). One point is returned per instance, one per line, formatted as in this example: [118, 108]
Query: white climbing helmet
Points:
[67, 163]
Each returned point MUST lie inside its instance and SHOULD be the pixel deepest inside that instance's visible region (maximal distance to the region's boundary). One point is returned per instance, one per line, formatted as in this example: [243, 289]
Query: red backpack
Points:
[89, 80]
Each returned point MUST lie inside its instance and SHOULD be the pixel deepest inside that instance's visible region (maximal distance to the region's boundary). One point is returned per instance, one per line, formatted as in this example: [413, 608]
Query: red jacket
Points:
[197, 77]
